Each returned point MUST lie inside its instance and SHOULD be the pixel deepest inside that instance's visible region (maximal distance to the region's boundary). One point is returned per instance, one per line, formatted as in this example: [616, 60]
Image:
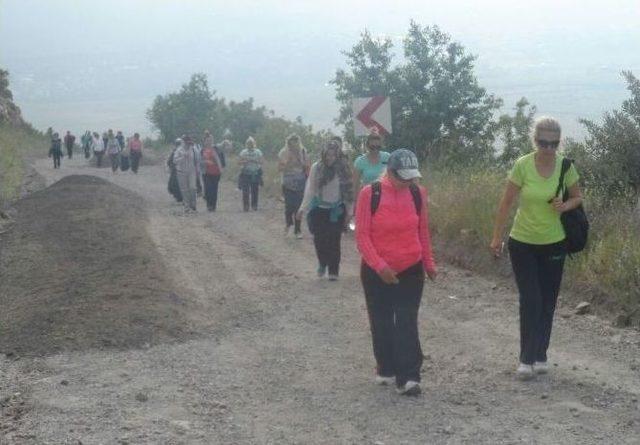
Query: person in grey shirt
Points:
[187, 163]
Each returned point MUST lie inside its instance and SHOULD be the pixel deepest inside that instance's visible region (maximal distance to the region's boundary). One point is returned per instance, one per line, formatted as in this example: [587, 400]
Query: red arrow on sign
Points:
[365, 115]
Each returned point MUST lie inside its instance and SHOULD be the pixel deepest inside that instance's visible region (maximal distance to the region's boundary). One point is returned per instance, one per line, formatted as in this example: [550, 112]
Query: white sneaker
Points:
[385, 381]
[410, 388]
[333, 277]
[525, 372]
[541, 367]
[299, 235]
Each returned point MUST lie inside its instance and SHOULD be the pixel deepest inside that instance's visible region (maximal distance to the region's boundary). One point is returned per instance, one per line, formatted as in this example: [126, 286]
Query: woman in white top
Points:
[327, 196]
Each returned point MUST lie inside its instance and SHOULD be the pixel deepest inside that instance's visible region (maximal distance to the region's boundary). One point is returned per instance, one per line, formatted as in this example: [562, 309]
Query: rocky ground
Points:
[279, 357]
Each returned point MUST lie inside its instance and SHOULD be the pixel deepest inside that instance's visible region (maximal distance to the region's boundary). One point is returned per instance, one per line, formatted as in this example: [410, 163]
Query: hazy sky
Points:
[100, 63]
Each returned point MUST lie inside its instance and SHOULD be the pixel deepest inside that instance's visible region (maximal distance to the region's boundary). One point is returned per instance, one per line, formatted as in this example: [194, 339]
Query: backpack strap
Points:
[376, 194]
[376, 191]
[417, 197]
[566, 165]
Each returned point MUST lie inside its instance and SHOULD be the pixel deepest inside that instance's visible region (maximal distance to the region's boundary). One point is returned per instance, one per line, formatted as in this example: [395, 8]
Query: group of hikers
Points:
[380, 191]
[124, 153]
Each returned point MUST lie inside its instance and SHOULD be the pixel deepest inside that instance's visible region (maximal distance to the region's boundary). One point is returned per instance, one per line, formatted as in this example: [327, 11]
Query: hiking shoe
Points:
[525, 372]
[333, 277]
[384, 381]
[411, 388]
[541, 367]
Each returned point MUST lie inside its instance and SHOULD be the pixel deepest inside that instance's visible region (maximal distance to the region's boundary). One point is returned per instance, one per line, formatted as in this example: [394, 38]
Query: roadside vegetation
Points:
[440, 110]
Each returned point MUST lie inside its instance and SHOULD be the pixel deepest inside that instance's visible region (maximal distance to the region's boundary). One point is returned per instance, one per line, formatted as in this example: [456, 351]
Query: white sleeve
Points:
[309, 189]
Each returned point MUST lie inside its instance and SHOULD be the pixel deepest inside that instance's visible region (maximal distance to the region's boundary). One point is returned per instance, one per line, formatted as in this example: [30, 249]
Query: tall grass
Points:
[463, 206]
[15, 144]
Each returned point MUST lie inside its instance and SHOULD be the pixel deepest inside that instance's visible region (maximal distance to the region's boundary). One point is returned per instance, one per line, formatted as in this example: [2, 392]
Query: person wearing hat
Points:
[392, 235]
[187, 163]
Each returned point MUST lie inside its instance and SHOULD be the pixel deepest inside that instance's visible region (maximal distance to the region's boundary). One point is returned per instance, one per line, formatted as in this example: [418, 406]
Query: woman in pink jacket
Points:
[392, 234]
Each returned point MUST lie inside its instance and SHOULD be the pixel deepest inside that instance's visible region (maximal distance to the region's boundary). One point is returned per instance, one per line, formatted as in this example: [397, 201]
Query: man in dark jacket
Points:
[69, 140]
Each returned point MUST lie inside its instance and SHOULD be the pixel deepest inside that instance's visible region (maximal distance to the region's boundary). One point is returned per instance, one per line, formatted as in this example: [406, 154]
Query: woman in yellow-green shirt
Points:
[536, 242]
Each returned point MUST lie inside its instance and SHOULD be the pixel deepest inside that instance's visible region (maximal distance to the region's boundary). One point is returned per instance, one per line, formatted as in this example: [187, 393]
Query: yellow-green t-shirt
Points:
[536, 221]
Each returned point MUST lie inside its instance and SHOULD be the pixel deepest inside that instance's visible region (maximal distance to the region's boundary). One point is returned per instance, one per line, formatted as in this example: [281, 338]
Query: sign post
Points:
[372, 113]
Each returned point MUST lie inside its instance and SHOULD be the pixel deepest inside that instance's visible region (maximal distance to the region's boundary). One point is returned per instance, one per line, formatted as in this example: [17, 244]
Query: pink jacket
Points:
[394, 237]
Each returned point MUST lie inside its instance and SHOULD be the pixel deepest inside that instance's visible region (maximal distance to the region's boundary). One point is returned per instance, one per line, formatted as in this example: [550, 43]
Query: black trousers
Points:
[538, 272]
[135, 160]
[250, 191]
[115, 162]
[56, 159]
[98, 155]
[326, 238]
[393, 317]
[211, 190]
[70, 151]
[292, 201]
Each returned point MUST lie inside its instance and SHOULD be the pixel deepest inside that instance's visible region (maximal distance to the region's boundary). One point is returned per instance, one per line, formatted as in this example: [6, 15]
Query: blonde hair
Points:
[545, 123]
[250, 142]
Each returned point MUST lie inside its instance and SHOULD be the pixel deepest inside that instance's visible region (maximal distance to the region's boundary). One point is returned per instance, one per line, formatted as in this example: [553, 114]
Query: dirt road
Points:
[287, 358]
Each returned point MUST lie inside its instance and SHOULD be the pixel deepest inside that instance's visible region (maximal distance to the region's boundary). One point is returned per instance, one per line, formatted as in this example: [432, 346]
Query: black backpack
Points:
[575, 222]
[376, 192]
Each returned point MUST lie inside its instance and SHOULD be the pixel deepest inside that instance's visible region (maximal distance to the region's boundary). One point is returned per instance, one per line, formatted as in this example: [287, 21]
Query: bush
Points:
[462, 212]
[15, 143]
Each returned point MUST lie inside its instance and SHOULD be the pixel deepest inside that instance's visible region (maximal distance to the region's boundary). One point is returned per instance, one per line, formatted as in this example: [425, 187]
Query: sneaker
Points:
[541, 367]
[299, 235]
[322, 270]
[410, 388]
[333, 277]
[525, 372]
[384, 381]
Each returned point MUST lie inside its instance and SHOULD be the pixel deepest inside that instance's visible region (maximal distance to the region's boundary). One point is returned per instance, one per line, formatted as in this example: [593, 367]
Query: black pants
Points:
[70, 151]
[393, 317]
[56, 159]
[250, 190]
[135, 160]
[98, 155]
[211, 190]
[87, 152]
[326, 238]
[538, 272]
[292, 201]
[115, 162]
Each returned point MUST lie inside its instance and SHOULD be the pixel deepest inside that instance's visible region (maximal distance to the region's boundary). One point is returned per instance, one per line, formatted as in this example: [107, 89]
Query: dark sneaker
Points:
[410, 388]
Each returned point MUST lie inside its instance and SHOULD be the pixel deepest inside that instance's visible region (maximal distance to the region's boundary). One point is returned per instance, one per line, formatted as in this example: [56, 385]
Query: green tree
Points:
[437, 105]
[610, 155]
[369, 74]
[514, 132]
[190, 111]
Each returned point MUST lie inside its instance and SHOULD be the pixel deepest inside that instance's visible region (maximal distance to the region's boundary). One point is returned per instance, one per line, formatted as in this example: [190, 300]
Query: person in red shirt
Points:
[211, 171]
[135, 151]
[392, 235]
[69, 141]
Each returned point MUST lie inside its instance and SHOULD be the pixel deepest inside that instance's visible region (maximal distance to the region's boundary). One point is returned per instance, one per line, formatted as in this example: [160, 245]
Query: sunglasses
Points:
[547, 144]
